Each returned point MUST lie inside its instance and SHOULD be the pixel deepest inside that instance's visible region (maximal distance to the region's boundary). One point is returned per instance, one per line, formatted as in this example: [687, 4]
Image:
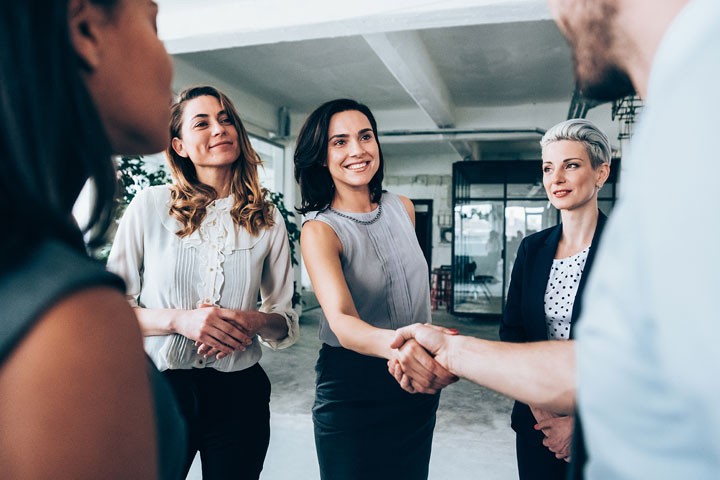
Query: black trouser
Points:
[228, 419]
[366, 426]
[536, 461]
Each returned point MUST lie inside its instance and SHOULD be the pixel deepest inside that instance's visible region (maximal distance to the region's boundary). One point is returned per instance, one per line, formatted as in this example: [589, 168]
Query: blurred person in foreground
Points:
[80, 80]
[645, 359]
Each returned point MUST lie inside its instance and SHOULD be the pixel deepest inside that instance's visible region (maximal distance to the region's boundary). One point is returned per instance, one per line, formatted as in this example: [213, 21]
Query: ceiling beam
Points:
[191, 26]
[405, 56]
[407, 59]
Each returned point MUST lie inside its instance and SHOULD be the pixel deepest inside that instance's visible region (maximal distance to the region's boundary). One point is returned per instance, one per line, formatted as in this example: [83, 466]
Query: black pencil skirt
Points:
[366, 426]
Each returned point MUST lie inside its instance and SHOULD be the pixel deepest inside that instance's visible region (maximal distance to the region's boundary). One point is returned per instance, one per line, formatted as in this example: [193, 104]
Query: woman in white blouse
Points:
[548, 277]
[195, 256]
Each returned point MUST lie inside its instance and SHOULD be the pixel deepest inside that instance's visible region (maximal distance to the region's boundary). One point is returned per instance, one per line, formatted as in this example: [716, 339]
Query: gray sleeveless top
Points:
[384, 267]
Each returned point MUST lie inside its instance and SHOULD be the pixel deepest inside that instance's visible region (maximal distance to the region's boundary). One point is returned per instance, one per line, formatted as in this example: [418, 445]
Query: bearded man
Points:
[645, 384]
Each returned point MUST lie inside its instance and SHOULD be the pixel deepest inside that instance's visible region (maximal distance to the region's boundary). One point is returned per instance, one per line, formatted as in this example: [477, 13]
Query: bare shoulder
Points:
[316, 233]
[408, 204]
[76, 393]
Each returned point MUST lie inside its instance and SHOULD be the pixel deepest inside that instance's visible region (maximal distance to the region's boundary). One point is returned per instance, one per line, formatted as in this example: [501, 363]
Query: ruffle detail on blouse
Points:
[235, 238]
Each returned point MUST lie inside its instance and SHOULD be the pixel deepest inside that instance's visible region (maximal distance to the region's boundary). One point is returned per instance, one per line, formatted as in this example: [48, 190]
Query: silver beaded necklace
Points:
[361, 222]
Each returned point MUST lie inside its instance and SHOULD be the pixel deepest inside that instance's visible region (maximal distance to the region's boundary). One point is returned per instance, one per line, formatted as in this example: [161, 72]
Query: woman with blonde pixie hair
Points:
[549, 276]
[195, 256]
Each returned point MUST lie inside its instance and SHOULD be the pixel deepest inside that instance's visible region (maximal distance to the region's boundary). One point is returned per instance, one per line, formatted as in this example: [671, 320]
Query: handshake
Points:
[421, 358]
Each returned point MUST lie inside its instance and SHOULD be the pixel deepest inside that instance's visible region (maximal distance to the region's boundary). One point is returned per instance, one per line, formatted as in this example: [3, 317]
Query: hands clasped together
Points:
[558, 431]
[219, 331]
[420, 364]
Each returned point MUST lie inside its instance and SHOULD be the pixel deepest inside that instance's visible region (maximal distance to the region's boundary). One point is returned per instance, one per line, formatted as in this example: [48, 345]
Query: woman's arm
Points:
[281, 328]
[321, 250]
[537, 373]
[208, 324]
[276, 321]
[214, 327]
[79, 406]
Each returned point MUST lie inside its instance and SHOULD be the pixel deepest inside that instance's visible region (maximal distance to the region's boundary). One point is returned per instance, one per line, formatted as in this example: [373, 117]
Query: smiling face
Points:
[353, 156]
[568, 176]
[208, 136]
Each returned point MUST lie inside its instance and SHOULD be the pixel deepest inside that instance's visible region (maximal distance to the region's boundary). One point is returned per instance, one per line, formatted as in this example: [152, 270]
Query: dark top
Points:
[46, 275]
[524, 316]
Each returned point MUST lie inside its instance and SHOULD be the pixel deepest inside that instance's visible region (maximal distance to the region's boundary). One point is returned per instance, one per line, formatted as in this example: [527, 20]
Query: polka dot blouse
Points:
[560, 293]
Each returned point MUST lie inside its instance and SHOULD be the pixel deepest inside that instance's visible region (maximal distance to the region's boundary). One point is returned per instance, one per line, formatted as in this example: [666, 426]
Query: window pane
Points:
[486, 190]
[272, 158]
[526, 190]
[523, 218]
[478, 258]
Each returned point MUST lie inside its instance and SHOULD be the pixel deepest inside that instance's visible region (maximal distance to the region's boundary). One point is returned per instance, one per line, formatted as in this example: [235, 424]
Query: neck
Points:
[218, 178]
[353, 200]
[642, 39]
[578, 227]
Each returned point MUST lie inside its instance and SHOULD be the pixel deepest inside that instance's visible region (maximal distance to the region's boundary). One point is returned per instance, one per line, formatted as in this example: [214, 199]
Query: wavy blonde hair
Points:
[190, 197]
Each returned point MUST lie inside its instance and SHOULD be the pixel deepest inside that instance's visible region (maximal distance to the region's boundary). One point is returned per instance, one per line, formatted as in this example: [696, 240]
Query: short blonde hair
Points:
[584, 131]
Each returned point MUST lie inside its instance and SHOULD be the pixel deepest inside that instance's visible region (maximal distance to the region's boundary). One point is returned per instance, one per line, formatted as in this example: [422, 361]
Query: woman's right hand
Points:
[210, 326]
[417, 371]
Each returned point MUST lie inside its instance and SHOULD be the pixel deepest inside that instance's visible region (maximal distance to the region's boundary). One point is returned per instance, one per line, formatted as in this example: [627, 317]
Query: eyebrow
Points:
[205, 115]
[566, 160]
[345, 135]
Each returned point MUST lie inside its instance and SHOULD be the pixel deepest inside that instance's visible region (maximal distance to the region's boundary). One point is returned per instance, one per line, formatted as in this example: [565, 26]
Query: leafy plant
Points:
[278, 199]
[134, 176]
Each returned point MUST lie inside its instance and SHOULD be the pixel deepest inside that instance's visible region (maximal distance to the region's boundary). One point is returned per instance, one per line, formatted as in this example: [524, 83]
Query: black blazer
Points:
[524, 316]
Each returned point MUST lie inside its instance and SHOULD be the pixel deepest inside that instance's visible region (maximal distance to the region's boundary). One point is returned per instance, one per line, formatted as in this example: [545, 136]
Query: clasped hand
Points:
[418, 367]
[218, 331]
[558, 431]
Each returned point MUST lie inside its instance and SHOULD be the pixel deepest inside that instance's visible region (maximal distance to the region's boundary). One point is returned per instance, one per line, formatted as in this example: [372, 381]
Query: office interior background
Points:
[462, 91]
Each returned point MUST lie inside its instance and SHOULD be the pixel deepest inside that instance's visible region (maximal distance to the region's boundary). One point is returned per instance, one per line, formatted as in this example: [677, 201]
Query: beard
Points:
[589, 31]
[604, 84]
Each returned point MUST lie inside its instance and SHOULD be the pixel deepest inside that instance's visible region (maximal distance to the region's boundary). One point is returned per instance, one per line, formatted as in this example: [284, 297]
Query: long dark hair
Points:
[190, 197]
[311, 172]
[51, 137]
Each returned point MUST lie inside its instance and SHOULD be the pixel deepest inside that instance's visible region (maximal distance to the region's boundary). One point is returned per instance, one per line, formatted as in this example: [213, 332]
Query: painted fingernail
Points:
[453, 331]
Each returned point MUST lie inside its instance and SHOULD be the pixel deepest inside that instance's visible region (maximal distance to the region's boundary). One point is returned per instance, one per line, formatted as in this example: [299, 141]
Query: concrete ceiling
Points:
[467, 64]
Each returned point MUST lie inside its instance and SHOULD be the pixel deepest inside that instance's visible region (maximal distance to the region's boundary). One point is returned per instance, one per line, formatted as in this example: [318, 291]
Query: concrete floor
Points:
[472, 437]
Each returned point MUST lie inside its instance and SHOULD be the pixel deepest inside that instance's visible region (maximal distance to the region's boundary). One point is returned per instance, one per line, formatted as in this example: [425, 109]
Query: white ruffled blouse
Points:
[218, 264]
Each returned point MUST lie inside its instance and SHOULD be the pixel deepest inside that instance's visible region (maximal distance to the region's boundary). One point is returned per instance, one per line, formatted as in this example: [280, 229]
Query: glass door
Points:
[478, 257]
[496, 204]
[523, 218]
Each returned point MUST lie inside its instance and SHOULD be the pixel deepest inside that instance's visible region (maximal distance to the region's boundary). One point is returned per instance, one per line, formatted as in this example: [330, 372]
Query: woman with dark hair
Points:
[195, 256]
[370, 277]
[80, 80]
